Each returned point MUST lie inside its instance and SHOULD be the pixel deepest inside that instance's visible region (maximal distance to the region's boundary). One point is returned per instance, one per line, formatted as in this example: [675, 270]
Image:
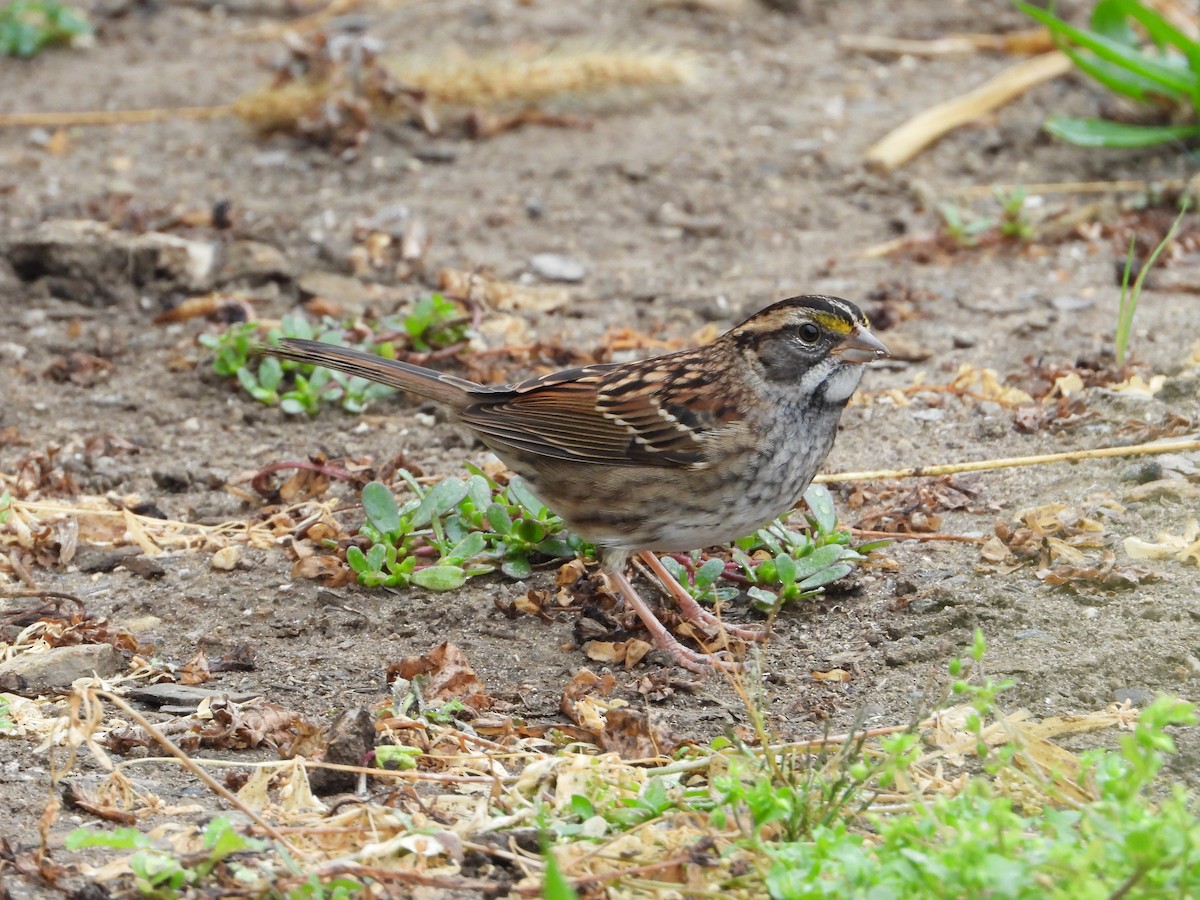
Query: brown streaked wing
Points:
[596, 414]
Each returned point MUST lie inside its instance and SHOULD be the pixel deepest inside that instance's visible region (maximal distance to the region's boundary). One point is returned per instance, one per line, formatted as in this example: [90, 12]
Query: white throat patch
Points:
[842, 383]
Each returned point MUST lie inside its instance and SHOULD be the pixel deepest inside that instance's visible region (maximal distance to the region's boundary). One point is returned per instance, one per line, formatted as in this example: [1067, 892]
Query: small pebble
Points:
[555, 267]
[1142, 472]
[226, 558]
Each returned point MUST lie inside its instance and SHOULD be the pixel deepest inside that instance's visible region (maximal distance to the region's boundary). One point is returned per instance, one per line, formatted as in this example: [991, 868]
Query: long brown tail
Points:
[454, 392]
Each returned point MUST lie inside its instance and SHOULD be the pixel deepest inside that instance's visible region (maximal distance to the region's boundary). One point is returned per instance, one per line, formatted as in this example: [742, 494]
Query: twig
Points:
[309, 764]
[905, 142]
[916, 536]
[188, 763]
[111, 116]
[1010, 462]
[1065, 187]
[404, 876]
[1031, 40]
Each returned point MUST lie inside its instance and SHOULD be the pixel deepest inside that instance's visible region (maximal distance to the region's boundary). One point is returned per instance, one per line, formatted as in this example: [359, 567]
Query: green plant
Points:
[161, 874]
[453, 530]
[962, 227]
[1014, 218]
[1166, 77]
[5, 506]
[786, 565]
[978, 843]
[6, 722]
[982, 693]
[433, 323]
[1130, 296]
[29, 26]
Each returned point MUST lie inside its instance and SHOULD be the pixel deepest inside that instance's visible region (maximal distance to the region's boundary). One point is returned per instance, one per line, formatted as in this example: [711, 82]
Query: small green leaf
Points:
[499, 518]
[762, 599]
[530, 531]
[555, 885]
[396, 757]
[517, 567]
[442, 497]
[117, 839]
[518, 492]
[819, 559]
[479, 492]
[246, 378]
[709, 572]
[292, 406]
[582, 806]
[380, 507]
[376, 557]
[270, 373]
[820, 502]
[356, 559]
[555, 547]
[470, 546]
[826, 576]
[872, 546]
[440, 578]
[785, 569]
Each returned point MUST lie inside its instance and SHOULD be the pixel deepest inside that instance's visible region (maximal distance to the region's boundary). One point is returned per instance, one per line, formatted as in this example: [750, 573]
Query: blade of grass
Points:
[1116, 78]
[1175, 82]
[1121, 135]
[1164, 33]
[1129, 298]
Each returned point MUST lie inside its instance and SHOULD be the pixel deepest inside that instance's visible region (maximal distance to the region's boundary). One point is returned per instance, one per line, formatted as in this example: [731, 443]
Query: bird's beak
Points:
[860, 346]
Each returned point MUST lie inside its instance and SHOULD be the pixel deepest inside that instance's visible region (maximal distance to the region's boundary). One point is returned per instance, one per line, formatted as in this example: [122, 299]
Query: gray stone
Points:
[33, 674]
[183, 695]
[90, 263]
[351, 295]
[255, 262]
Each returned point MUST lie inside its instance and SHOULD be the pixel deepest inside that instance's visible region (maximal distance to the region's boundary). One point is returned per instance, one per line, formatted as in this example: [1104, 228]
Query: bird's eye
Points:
[809, 333]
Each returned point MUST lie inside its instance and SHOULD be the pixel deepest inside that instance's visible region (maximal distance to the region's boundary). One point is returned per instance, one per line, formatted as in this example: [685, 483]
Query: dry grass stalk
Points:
[1032, 40]
[905, 142]
[111, 116]
[525, 79]
[1011, 462]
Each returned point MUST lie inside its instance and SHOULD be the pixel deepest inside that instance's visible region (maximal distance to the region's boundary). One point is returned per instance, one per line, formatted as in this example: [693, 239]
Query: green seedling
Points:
[1014, 218]
[29, 26]
[962, 226]
[1163, 76]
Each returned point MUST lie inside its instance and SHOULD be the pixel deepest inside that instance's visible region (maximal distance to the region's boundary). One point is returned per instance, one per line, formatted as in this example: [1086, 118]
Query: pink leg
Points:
[693, 611]
[664, 640]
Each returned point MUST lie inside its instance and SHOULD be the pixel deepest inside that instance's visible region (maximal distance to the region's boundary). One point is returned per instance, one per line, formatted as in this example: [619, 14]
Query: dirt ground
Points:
[765, 152]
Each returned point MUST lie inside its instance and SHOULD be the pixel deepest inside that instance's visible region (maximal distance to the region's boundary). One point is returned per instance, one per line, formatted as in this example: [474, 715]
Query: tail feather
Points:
[454, 392]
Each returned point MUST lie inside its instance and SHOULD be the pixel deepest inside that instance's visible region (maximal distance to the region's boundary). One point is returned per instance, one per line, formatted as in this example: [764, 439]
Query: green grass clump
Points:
[1164, 76]
[29, 26]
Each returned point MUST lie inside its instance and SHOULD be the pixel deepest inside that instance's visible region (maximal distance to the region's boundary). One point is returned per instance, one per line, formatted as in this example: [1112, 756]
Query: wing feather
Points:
[603, 414]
